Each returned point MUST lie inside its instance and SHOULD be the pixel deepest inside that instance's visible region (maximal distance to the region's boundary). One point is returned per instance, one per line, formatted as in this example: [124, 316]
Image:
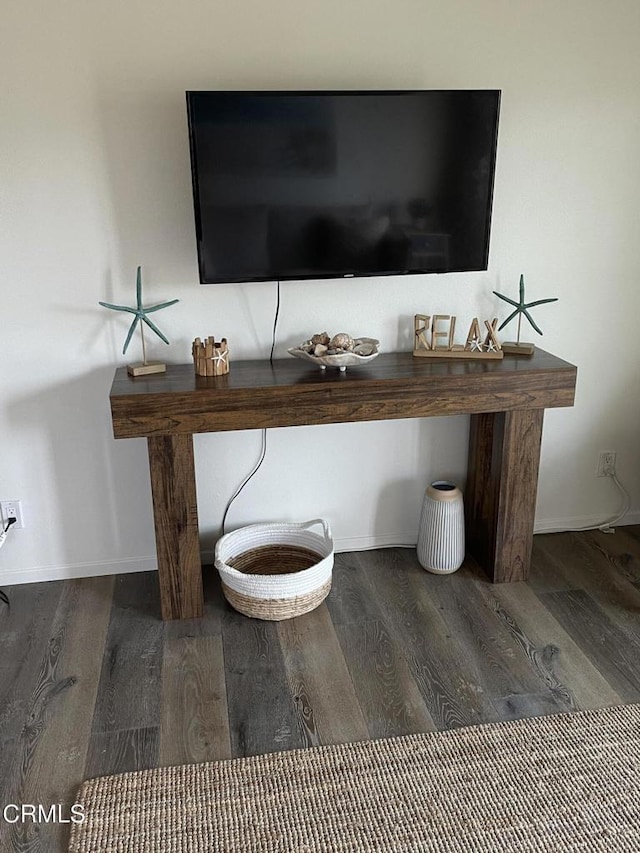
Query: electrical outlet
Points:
[606, 463]
[12, 509]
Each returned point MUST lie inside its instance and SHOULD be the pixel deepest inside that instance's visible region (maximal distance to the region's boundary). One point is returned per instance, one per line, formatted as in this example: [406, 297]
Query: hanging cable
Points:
[263, 453]
[263, 449]
[608, 526]
[275, 325]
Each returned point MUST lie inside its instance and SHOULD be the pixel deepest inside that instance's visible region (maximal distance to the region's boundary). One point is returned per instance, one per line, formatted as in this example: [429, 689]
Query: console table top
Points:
[292, 392]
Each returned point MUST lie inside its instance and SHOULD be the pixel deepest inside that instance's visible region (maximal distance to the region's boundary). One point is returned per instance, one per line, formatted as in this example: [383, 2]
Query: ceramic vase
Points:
[441, 534]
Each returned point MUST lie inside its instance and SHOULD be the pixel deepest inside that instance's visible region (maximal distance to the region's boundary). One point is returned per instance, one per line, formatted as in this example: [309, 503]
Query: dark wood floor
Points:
[93, 683]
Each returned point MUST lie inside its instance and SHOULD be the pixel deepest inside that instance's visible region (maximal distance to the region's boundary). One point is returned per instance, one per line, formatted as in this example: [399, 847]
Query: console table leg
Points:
[175, 515]
[502, 483]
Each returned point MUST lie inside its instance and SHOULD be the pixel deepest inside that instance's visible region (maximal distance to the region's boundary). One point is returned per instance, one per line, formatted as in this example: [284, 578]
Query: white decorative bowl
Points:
[365, 350]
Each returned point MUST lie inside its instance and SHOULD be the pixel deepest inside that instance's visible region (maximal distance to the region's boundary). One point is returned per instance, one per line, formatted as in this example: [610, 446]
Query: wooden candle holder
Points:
[210, 358]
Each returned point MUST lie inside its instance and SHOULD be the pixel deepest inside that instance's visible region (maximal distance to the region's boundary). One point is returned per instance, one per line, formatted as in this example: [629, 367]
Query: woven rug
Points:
[568, 782]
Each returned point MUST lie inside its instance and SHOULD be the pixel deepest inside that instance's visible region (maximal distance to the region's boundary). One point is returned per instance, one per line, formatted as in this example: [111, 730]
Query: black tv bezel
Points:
[332, 93]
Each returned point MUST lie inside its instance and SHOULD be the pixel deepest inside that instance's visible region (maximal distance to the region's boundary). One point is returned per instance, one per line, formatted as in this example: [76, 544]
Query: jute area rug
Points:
[568, 782]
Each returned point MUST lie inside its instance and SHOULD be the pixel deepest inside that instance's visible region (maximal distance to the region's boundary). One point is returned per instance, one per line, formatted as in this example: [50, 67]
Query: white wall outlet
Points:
[12, 509]
[606, 463]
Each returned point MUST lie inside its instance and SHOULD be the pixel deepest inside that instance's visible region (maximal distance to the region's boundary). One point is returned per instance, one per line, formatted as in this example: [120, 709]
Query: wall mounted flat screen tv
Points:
[299, 185]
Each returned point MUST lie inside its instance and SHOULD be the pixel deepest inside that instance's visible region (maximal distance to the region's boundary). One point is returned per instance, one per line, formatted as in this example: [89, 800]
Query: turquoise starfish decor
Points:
[140, 316]
[521, 308]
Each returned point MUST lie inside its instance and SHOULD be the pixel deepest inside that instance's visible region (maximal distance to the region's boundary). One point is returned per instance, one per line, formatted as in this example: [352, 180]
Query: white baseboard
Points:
[406, 539]
[355, 543]
[409, 539]
[559, 525]
[77, 570]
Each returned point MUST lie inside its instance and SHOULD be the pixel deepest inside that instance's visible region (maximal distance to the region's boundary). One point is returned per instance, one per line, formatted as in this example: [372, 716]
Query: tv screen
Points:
[296, 185]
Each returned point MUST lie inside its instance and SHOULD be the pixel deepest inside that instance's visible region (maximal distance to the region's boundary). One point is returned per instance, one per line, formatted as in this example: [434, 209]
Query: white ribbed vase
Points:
[441, 534]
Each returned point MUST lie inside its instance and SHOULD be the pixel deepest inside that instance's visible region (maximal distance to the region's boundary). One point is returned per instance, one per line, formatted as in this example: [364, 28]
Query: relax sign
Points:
[435, 337]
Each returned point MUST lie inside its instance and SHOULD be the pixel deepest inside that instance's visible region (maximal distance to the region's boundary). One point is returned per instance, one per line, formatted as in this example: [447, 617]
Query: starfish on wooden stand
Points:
[521, 308]
[140, 316]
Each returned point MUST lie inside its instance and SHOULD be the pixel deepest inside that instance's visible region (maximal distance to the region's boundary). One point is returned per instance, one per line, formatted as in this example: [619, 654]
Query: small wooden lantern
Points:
[210, 358]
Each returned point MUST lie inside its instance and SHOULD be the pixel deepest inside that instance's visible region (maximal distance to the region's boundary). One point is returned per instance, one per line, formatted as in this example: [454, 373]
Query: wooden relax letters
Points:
[475, 347]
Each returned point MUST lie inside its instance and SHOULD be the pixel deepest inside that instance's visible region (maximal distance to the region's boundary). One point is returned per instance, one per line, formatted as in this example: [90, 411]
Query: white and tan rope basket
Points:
[276, 571]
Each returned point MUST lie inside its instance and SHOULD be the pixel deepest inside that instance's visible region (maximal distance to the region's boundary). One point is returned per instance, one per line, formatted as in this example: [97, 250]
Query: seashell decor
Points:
[342, 341]
[341, 351]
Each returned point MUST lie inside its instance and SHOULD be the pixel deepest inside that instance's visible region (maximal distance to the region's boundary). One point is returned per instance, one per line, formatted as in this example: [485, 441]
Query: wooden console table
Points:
[506, 400]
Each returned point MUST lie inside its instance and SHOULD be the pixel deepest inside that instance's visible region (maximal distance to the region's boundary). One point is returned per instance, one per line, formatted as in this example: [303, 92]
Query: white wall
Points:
[95, 180]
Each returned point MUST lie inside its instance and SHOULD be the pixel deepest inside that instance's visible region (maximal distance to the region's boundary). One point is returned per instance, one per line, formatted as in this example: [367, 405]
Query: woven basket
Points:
[276, 571]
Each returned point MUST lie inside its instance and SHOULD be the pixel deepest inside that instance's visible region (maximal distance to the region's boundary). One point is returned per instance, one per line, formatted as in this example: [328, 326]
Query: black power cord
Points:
[3, 534]
[275, 324]
[4, 598]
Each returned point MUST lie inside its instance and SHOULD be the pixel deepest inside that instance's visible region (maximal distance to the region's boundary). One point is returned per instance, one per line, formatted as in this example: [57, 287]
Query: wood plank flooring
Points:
[93, 683]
